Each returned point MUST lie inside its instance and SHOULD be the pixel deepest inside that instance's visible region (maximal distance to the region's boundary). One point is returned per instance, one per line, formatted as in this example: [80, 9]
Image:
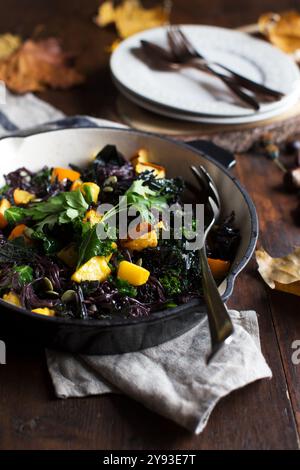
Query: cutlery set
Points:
[182, 54]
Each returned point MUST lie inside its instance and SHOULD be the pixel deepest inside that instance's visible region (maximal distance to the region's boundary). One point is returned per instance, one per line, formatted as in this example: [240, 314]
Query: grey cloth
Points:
[171, 379]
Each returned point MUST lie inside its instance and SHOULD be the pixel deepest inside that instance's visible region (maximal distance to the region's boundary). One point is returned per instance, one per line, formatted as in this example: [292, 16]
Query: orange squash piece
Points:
[17, 232]
[218, 267]
[64, 173]
[76, 185]
[22, 197]
[4, 205]
[159, 171]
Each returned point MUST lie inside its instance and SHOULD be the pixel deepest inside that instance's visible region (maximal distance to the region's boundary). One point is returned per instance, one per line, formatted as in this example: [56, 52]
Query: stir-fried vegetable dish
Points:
[54, 262]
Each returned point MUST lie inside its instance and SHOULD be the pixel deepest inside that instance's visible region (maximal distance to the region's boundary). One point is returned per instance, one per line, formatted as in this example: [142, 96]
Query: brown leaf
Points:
[8, 44]
[282, 30]
[38, 64]
[280, 273]
[130, 16]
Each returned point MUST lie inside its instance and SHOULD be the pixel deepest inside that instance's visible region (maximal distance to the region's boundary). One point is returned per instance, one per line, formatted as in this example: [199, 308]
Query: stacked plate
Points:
[192, 95]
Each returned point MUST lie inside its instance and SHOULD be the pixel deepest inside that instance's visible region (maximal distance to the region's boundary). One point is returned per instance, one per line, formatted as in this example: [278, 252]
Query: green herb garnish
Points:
[60, 209]
[171, 283]
[25, 274]
[125, 288]
[92, 245]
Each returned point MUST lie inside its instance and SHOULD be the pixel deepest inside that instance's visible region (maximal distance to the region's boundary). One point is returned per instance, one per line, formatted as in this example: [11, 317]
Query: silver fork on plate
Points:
[184, 51]
[220, 324]
[159, 59]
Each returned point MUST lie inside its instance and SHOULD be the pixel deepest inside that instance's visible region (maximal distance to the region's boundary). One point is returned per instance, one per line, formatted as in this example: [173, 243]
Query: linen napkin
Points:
[171, 379]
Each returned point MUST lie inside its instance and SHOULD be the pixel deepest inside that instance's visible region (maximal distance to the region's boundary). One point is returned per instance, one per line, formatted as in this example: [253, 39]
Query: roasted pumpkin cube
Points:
[44, 311]
[132, 273]
[4, 205]
[145, 237]
[147, 240]
[92, 217]
[159, 171]
[90, 191]
[95, 269]
[142, 156]
[76, 185]
[18, 231]
[22, 197]
[61, 174]
[12, 298]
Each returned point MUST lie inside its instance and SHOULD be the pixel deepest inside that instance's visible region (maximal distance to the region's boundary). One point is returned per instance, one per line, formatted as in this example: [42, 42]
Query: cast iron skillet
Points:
[119, 335]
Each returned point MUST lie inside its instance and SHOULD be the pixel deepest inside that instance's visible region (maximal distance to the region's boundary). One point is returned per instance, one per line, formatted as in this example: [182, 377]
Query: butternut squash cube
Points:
[64, 173]
[76, 185]
[132, 273]
[12, 298]
[95, 269]
[147, 240]
[22, 197]
[92, 217]
[4, 205]
[17, 232]
[90, 191]
[44, 311]
[159, 171]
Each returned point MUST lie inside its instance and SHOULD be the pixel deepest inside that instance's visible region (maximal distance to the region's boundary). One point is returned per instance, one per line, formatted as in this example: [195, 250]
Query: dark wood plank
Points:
[260, 416]
[279, 236]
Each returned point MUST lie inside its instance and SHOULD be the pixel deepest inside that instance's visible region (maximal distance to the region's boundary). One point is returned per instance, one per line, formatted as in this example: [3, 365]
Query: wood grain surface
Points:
[265, 414]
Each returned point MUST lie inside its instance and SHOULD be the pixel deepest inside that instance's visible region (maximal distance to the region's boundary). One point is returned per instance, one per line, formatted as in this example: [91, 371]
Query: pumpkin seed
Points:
[69, 296]
[48, 286]
[52, 293]
[110, 180]
[108, 189]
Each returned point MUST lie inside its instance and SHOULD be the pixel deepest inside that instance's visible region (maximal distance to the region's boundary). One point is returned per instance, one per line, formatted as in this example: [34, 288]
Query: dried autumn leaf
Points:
[130, 16]
[106, 14]
[8, 44]
[36, 65]
[282, 30]
[280, 273]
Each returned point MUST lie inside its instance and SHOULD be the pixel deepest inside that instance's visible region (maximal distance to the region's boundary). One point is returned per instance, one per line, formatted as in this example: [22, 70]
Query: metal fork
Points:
[184, 51]
[158, 58]
[220, 324]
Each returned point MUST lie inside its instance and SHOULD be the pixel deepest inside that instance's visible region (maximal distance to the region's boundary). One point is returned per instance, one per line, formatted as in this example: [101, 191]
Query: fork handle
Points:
[251, 85]
[230, 84]
[219, 321]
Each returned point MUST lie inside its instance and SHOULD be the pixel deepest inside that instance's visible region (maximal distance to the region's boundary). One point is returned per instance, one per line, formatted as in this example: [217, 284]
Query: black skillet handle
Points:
[209, 149]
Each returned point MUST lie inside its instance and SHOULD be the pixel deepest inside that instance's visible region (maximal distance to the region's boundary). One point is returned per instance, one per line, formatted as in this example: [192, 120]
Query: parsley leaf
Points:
[14, 214]
[124, 288]
[25, 274]
[92, 245]
[60, 209]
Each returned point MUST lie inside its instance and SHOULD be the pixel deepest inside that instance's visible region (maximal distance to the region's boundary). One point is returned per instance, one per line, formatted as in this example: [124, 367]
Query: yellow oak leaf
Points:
[130, 16]
[282, 30]
[8, 44]
[280, 273]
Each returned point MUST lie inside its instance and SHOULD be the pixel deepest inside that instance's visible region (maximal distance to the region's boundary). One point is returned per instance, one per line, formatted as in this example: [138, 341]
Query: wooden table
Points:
[264, 415]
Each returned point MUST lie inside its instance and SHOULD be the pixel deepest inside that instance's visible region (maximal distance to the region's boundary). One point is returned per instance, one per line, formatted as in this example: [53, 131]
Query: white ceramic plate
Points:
[194, 92]
[173, 114]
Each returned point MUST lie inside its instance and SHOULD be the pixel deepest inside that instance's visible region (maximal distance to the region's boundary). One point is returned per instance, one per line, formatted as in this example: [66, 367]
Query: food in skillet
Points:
[53, 261]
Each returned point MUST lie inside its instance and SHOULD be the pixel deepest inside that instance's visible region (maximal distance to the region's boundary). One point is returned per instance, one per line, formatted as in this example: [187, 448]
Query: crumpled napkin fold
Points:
[171, 379]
